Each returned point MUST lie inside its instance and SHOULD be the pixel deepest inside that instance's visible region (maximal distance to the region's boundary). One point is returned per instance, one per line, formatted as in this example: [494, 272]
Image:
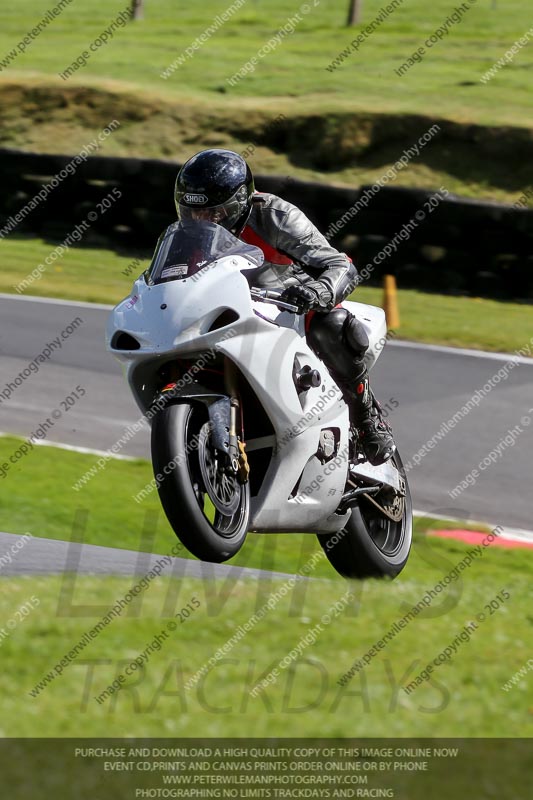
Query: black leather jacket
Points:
[303, 253]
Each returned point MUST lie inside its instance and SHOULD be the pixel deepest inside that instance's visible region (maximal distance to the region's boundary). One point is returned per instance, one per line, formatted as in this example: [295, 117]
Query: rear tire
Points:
[195, 493]
[371, 545]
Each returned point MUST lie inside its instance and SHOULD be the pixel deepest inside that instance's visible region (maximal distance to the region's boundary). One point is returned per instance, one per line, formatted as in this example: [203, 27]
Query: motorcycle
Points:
[249, 431]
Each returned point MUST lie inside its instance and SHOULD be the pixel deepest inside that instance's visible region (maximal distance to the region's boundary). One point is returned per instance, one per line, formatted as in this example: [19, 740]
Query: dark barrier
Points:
[430, 241]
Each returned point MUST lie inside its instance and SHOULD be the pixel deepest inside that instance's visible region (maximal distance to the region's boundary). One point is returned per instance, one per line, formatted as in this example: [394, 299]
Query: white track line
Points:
[54, 301]
[74, 448]
[462, 351]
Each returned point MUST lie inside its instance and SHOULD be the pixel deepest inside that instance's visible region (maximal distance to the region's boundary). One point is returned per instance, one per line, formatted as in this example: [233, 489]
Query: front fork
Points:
[236, 448]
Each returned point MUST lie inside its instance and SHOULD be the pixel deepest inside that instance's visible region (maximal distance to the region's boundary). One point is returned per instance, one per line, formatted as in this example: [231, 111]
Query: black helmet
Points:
[218, 183]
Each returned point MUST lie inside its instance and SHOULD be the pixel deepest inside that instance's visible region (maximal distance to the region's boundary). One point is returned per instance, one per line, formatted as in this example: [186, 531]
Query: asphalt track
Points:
[422, 386]
[39, 556]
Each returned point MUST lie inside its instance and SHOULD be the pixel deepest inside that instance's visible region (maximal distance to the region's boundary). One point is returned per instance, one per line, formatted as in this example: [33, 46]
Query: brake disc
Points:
[222, 487]
[395, 510]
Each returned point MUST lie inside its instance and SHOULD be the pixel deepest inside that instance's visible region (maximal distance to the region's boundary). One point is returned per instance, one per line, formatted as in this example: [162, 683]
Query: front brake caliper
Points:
[243, 472]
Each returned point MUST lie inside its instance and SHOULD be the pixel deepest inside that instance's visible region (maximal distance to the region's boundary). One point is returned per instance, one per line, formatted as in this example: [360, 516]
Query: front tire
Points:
[208, 509]
[371, 545]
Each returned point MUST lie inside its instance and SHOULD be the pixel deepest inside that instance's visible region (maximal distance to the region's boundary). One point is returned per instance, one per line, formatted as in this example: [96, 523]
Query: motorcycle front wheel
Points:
[372, 545]
[207, 507]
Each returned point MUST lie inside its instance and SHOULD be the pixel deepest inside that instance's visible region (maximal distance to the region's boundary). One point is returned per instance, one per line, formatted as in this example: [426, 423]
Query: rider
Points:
[217, 185]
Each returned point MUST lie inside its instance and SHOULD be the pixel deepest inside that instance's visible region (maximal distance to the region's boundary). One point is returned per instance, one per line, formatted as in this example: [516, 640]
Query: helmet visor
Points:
[227, 214]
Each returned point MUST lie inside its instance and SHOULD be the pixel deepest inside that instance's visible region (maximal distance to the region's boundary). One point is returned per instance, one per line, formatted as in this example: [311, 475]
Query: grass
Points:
[459, 321]
[466, 693]
[463, 698]
[139, 53]
[196, 108]
[361, 113]
[113, 518]
[105, 513]
[456, 321]
[91, 274]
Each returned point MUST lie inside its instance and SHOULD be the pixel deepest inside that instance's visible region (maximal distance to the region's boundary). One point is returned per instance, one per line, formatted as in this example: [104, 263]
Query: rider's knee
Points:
[356, 335]
[325, 331]
[329, 331]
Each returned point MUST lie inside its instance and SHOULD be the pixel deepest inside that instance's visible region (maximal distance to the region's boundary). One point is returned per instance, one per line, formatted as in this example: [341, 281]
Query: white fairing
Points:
[172, 319]
[371, 317]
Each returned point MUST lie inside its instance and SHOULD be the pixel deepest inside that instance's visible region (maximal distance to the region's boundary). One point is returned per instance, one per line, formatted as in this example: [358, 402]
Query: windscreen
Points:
[185, 248]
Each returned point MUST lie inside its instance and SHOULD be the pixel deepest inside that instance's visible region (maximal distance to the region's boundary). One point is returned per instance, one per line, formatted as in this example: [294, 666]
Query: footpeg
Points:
[349, 498]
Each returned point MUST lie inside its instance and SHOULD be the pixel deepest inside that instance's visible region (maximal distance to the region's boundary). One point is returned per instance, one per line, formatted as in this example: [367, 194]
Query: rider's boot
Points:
[374, 433]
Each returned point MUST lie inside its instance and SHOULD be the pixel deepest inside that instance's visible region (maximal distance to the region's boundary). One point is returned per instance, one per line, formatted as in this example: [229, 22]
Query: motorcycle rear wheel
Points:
[370, 545]
[207, 508]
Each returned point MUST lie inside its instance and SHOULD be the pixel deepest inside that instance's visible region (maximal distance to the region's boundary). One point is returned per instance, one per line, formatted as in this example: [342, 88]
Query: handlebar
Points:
[272, 296]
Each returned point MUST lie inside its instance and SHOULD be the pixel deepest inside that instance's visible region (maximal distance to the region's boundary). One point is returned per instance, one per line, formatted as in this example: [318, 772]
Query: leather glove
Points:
[309, 297]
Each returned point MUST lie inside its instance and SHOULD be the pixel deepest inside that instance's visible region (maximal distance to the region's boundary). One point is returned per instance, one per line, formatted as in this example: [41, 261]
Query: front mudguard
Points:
[218, 407]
